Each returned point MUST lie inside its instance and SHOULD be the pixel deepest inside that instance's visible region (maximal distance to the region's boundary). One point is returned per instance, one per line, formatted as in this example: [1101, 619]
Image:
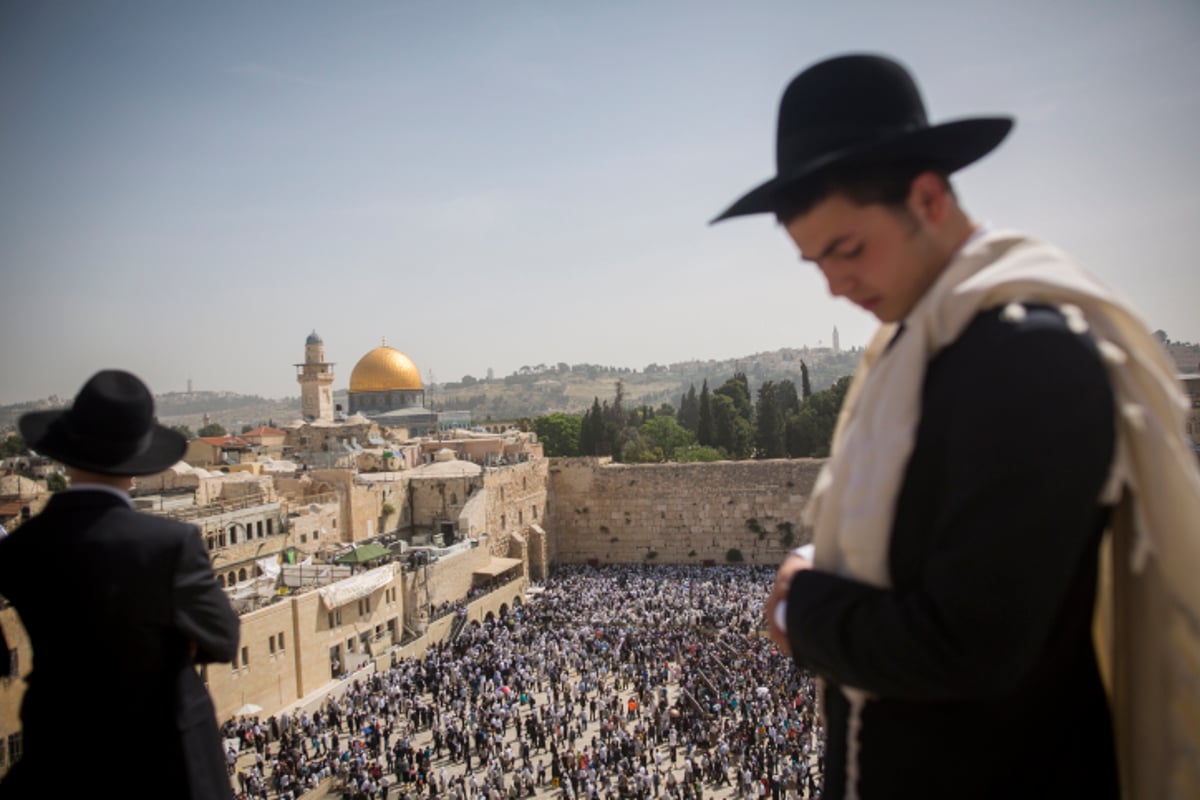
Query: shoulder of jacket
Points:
[1023, 325]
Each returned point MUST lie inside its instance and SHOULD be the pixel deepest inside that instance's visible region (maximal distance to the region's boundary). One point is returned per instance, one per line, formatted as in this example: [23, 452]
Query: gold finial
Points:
[384, 340]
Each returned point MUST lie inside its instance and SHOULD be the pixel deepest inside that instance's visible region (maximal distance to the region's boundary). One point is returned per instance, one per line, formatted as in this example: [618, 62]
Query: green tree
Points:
[805, 383]
[13, 445]
[639, 449]
[737, 389]
[211, 429]
[732, 432]
[559, 434]
[666, 435]
[789, 400]
[810, 431]
[704, 418]
[803, 433]
[689, 410]
[697, 452]
[55, 482]
[770, 429]
[615, 421]
[591, 432]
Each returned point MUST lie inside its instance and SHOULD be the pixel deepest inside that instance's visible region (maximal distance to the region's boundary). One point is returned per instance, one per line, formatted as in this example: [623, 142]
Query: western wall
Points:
[692, 513]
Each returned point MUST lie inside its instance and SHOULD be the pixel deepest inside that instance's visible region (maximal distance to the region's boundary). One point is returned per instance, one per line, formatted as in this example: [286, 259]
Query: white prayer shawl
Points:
[1148, 613]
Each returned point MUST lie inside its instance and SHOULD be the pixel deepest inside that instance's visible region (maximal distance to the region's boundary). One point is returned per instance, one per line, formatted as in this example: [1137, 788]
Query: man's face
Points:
[880, 258]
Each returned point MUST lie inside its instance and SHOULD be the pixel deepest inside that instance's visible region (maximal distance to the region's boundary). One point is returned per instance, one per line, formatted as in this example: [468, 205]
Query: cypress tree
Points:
[704, 418]
[689, 410]
[770, 437]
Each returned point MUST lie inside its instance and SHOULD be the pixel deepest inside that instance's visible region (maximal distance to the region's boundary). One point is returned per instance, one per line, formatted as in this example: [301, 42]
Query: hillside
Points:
[529, 392]
[1186, 356]
[229, 409]
[535, 391]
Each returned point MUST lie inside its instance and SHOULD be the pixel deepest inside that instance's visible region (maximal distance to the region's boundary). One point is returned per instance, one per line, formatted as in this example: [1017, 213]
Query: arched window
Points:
[221, 581]
[233, 534]
[232, 579]
[241, 574]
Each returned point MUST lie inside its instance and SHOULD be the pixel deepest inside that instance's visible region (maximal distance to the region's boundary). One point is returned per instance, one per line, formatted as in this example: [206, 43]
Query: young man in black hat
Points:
[119, 607]
[958, 523]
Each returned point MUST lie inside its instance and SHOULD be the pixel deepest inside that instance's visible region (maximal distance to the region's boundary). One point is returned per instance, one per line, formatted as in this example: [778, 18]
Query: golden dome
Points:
[385, 369]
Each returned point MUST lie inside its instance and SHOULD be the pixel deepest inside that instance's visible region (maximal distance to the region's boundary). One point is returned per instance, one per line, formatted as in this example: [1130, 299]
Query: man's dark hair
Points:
[862, 184]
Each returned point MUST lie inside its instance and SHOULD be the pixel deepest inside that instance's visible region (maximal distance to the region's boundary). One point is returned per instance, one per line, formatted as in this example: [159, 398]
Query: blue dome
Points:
[313, 339]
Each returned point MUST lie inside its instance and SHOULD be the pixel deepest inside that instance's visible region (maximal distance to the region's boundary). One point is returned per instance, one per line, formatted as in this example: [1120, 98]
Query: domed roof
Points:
[385, 369]
[313, 338]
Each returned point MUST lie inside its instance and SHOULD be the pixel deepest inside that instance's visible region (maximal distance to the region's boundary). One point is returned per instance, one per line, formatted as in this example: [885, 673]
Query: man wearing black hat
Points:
[991, 428]
[120, 607]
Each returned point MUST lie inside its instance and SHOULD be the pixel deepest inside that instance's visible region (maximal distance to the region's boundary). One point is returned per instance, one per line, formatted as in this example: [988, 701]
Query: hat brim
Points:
[949, 146]
[164, 448]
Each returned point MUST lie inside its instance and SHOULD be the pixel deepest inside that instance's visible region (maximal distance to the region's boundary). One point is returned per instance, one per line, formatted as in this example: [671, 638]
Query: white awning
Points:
[497, 566]
[356, 587]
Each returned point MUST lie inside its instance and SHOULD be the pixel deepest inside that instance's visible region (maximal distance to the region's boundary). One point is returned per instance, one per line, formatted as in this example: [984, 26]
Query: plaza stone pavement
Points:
[658, 757]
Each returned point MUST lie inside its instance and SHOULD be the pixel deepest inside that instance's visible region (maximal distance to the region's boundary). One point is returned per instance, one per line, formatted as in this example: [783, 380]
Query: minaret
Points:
[316, 381]
[837, 345]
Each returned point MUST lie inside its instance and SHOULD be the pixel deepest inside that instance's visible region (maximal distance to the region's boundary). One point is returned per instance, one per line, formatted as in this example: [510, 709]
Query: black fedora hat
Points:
[110, 429]
[860, 110]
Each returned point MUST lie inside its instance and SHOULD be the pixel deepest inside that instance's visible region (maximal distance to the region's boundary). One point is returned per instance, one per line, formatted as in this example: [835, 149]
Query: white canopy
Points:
[356, 587]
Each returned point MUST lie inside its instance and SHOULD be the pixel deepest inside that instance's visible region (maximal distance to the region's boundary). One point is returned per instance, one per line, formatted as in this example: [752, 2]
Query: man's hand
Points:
[779, 592]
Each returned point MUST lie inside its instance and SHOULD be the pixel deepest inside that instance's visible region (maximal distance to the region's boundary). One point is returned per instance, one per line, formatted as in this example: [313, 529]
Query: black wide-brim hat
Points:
[859, 110]
[110, 429]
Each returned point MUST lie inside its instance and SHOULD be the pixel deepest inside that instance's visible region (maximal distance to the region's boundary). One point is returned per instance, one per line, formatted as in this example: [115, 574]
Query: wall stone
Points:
[517, 497]
[677, 513]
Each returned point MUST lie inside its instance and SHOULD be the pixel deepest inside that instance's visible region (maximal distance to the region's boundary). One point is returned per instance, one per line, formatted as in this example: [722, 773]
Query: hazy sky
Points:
[187, 189]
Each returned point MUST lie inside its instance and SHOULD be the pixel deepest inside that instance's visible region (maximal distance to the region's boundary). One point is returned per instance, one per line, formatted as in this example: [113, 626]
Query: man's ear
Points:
[928, 198]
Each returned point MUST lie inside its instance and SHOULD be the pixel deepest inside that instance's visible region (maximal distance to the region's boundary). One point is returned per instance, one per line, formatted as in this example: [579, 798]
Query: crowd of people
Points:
[625, 683]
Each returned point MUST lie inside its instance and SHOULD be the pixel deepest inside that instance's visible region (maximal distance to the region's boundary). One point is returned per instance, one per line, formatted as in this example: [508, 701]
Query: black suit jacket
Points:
[114, 601]
[981, 654]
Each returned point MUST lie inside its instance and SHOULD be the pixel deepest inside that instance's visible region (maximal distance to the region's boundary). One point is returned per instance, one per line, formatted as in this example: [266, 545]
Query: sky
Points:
[188, 189]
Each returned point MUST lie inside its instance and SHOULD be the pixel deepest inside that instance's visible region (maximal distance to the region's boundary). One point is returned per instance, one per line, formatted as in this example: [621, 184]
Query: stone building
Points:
[217, 451]
[315, 376]
[266, 440]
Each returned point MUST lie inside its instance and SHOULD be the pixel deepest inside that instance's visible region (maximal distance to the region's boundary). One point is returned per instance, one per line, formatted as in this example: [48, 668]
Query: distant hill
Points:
[1186, 356]
[229, 409]
[536, 390]
[528, 392]
[571, 388]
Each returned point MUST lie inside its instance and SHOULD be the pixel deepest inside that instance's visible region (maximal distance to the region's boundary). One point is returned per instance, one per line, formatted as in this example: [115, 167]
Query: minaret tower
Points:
[316, 381]
[837, 345]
